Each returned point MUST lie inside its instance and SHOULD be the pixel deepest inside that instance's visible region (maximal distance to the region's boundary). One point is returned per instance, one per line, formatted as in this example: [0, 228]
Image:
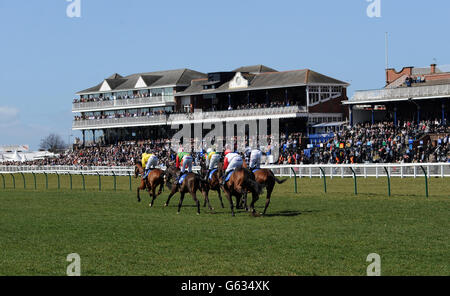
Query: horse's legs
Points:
[206, 198]
[220, 198]
[154, 197]
[197, 202]
[140, 187]
[255, 197]
[161, 187]
[205, 194]
[172, 193]
[230, 200]
[269, 193]
[181, 202]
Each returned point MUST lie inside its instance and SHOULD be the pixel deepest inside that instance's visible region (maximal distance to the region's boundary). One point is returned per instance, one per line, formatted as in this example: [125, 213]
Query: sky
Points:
[47, 56]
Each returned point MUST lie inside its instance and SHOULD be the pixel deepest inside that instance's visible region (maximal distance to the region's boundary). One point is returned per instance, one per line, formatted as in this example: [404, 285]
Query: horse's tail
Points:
[279, 181]
[253, 185]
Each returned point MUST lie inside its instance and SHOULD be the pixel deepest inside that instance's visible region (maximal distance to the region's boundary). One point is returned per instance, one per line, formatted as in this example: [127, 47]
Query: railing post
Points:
[114, 176]
[34, 177]
[324, 180]
[84, 182]
[129, 177]
[59, 182]
[99, 182]
[46, 180]
[4, 183]
[24, 183]
[295, 180]
[354, 177]
[426, 180]
[14, 180]
[389, 181]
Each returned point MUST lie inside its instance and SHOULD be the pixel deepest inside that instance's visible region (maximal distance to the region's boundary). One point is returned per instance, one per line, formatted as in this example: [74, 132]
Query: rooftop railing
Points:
[174, 118]
[402, 93]
[109, 104]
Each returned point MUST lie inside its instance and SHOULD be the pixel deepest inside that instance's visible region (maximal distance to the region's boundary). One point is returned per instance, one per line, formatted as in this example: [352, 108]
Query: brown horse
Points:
[241, 182]
[266, 179]
[154, 179]
[191, 183]
[213, 184]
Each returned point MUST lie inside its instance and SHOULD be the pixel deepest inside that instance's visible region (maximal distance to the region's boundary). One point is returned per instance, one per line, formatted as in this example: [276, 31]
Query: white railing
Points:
[122, 122]
[402, 93]
[414, 170]
[111, 104]
[181, 118]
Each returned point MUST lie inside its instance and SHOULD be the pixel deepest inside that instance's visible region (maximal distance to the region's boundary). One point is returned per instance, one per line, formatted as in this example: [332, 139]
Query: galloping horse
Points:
[191, 183]
[154, 179]
[266, 179]
[241, 181]
[213, 183]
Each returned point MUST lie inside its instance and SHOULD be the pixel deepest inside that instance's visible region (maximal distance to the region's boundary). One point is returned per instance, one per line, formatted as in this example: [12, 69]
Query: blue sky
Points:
[46, 56]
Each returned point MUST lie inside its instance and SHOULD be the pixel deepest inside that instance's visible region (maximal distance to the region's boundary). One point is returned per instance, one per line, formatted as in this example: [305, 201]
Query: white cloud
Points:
[8, 115]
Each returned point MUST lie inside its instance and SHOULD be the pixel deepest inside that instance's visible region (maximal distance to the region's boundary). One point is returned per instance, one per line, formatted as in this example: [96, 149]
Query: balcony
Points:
[123, 104]
[400, 94]
[213, 116]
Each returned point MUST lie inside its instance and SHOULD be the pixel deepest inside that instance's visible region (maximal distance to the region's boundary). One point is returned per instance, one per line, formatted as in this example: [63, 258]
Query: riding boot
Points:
[145, 174]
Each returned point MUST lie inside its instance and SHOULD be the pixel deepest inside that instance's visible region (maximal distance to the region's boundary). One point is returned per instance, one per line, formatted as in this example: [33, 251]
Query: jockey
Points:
[255, 159]
[231, 162]
[149, 160]
[183, 161]
[212, 159]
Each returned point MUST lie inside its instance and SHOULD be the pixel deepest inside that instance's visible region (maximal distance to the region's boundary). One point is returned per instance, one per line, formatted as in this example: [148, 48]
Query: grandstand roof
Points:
[266, 80]
[255, 69]
[179, 77]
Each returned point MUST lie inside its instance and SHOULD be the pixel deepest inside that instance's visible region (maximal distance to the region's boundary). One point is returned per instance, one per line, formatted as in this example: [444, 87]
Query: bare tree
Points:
[53, 143]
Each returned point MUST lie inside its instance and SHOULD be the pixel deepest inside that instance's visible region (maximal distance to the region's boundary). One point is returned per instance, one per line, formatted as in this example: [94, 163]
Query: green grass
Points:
[309, 233]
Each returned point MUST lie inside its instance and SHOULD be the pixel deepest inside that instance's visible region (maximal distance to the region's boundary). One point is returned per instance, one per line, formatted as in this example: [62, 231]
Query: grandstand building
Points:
[413, 94]
[146, 105]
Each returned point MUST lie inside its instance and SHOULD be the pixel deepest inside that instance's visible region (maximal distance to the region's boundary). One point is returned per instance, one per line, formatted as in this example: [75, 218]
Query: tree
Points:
[53, 143]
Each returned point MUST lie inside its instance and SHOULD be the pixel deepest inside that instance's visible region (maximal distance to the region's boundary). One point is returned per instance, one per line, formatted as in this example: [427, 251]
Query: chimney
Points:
[433, 68]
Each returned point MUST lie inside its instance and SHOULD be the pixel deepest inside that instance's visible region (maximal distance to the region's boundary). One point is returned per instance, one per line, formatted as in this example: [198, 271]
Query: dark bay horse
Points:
[266, 179]
[212, 184]
[154, 179]
[242, 181]
[191, 184]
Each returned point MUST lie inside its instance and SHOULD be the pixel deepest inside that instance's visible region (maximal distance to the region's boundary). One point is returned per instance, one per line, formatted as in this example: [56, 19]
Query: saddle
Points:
[182, 177]
[146, 174]
[230, 173]
[211, 174]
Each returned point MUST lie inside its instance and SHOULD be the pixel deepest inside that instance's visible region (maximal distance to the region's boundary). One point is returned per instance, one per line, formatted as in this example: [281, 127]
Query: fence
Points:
[355, 171]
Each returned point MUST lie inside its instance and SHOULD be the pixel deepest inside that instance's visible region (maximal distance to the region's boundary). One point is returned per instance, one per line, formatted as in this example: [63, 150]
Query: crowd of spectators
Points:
[411, 80]
[377, 143]
[364, 143]
[109, 98]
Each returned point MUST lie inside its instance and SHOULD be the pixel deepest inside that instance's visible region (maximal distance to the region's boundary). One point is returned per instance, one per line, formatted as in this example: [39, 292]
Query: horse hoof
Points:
[178, 213]
[166, 205]
[198, 214]
[150, 205]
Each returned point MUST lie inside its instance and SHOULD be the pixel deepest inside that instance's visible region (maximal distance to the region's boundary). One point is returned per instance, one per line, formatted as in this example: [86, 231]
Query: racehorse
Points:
[266, 179]
[213, 184]
[154, 179]
[191, 183]
[241, 181]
